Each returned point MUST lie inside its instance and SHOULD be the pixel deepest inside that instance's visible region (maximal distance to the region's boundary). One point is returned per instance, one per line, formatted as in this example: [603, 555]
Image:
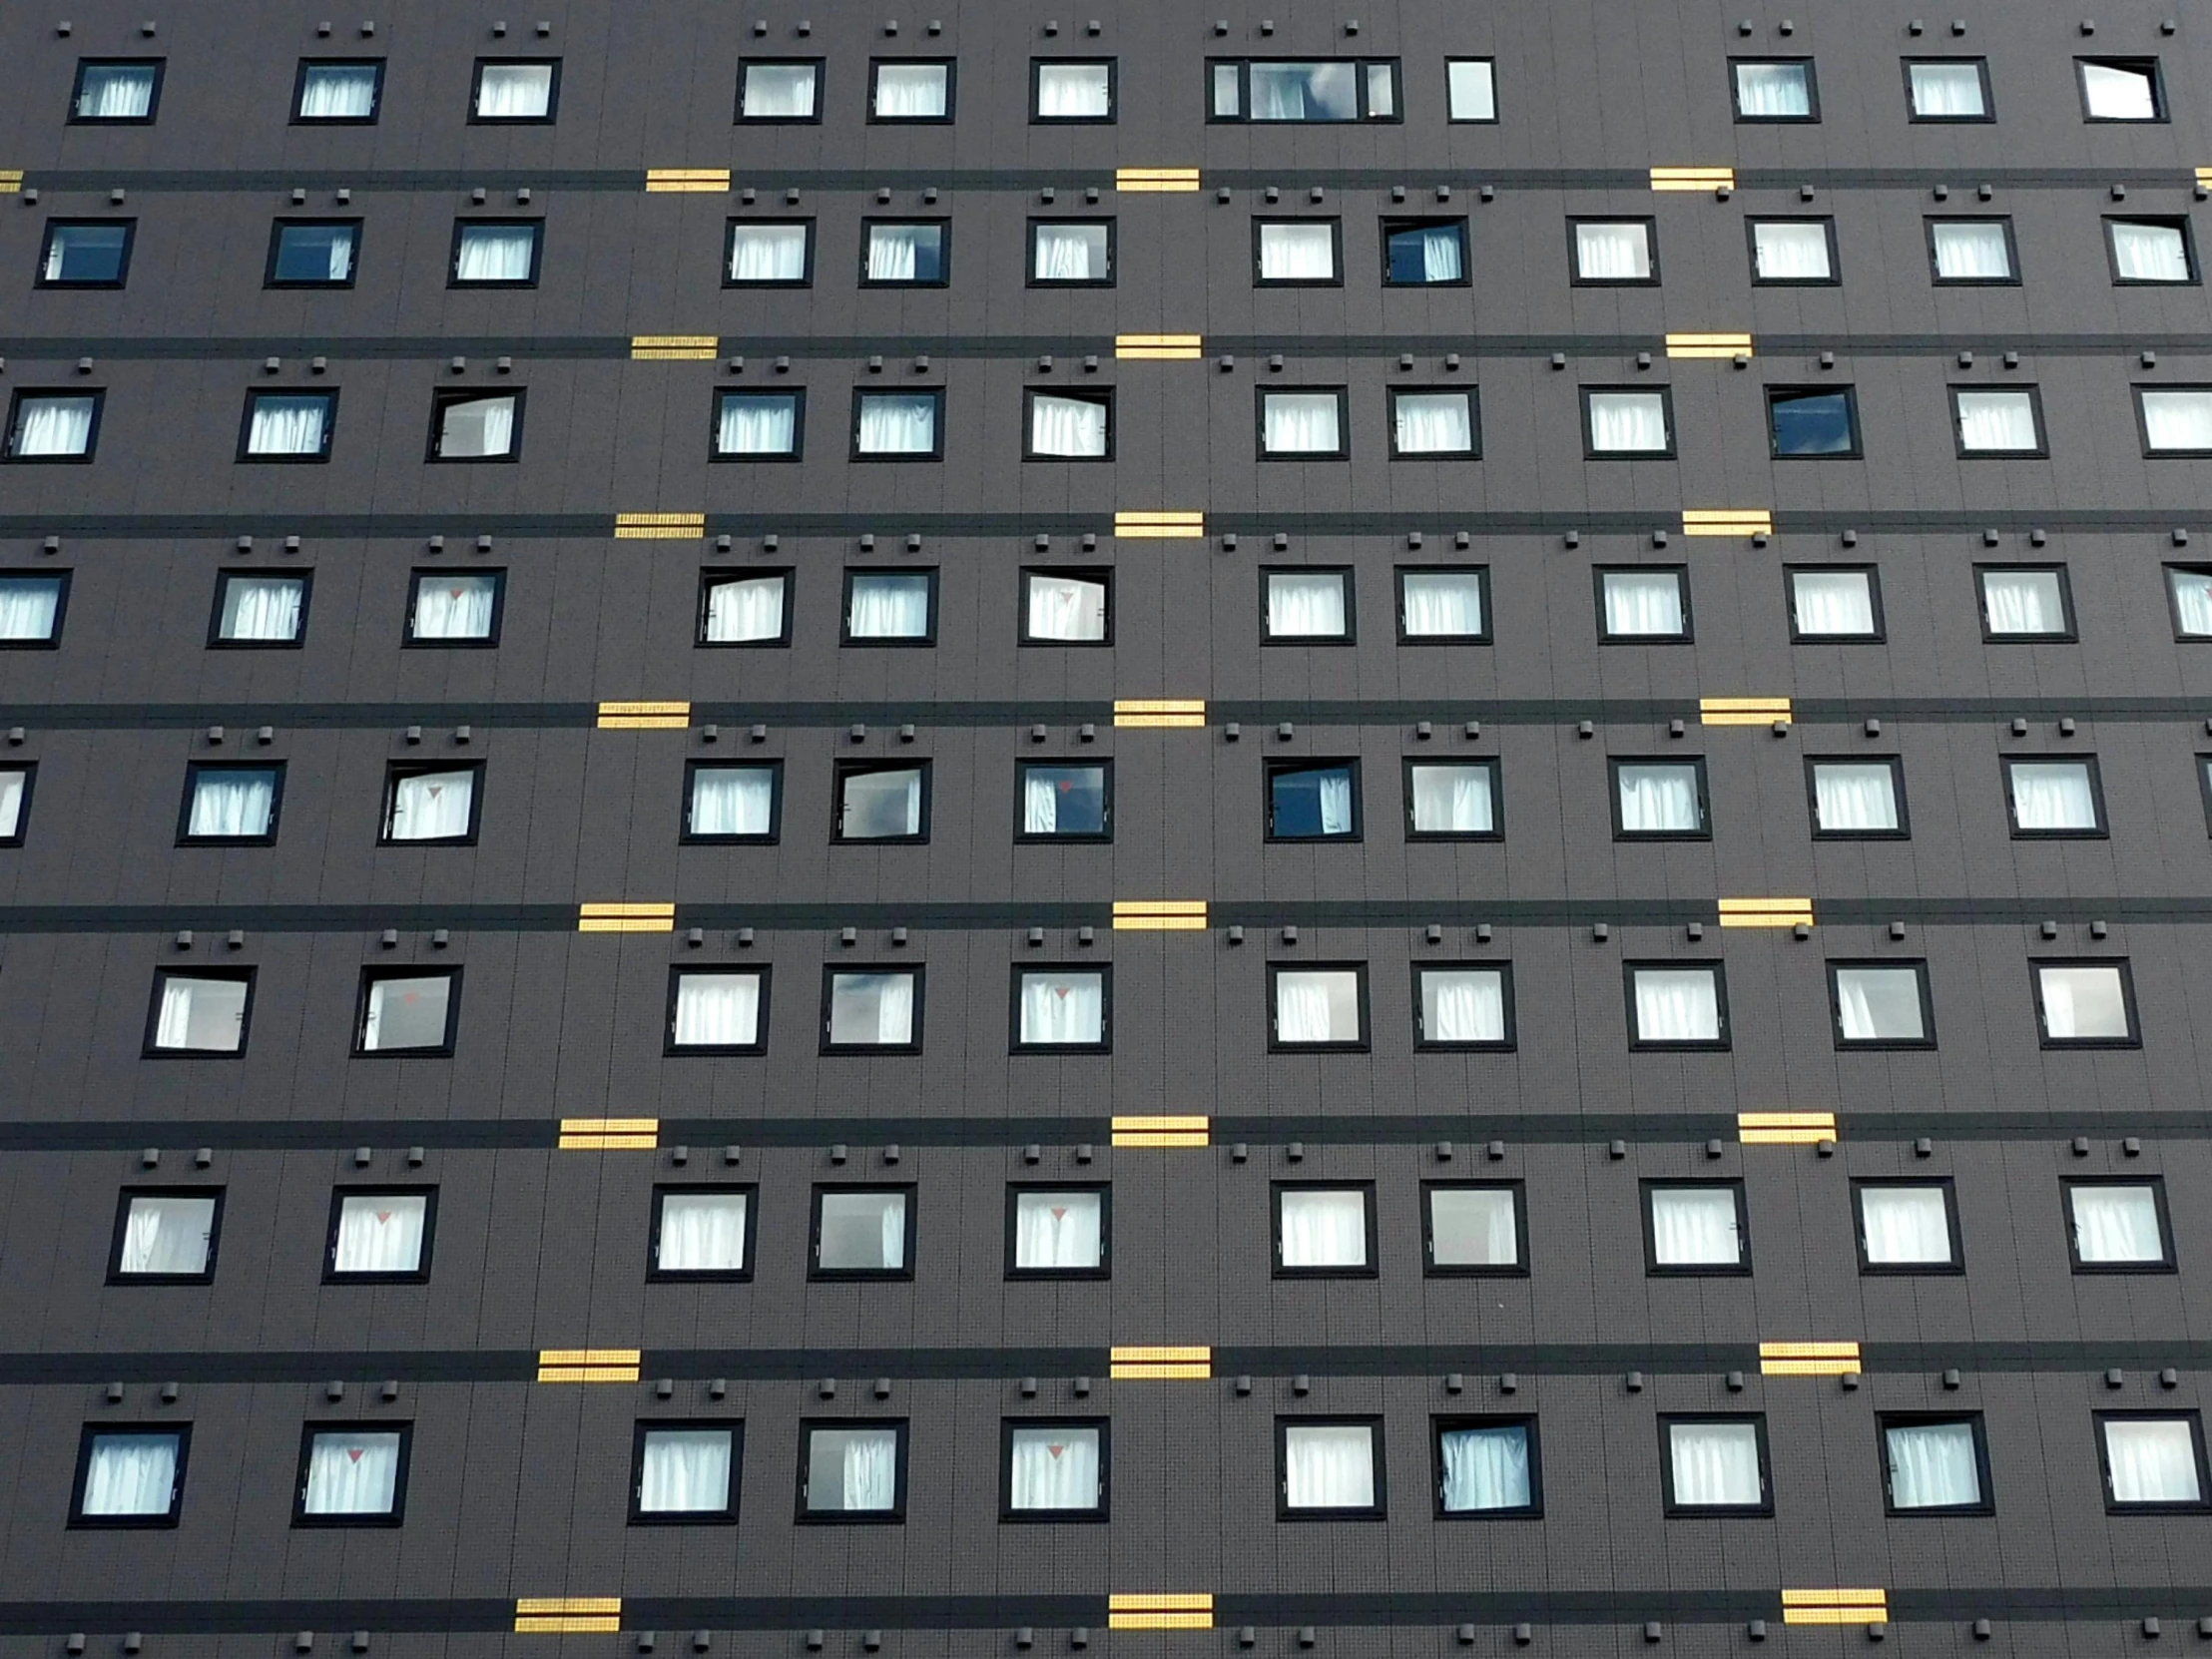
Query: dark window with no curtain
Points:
[770, 253]
[287, 427]
[456, 608]
[704, 1233]
[2157, 252]
[409, 1011]
[1677, 1005]
[86, 253]
[686, 1473]
[1660, 801]
[1935, 1466]
[882, 802]
[340, 91]
[911, 90]
[1948, 89]
[1715, 1466]
[231, 805]
[199, 1013]
[1487, 1468]
[1836, 603]
[1317, 1006]
[1054, 1470]
[54, 425]
[1856, 797]
[872, 1010]
[1881, 1004]
[753, 610]
[117, 90]
[515, 91]
[1970, 253]
[1325, 1230]
[1810, 421]
[1065, 800]
[780, 91]
[2152, 1460]
[1475, 1228]
[1792, 252]
[1329, 1469]
[166, 1236]
[741, 802]
[1071, 90]
[380, 1237]
[1908, 1227]
[496, 253]
[718, 1010]
[2085, 1004]
[1071, 252]
[1312, 801]
[1696, 1226]
[1425, 253]
[2122, 89]
[472, 426]
[853, 1470]
[251, 611]
[1058, 1232]
[1063, 1011]
[129, 1476]
[1309, 91]
[863, 1233]
[313, 253]
[1780, 89]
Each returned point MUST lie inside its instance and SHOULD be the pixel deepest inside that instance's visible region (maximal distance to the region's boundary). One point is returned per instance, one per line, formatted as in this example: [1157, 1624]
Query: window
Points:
[1881, 1005]
[1792, 252]
[466, 427]
[1330, 89]
[54, 425]
[1806, 422]
[1935, 1466]
[1080, 91]
[1486, 1466]
[1303, 425]
[853, 1472]
[1907, 1226]
[1311, 801]
[703, 1233]
[1856, 799]
[1057, 1232]
[2151, 251]
[771, 254]
[1323, 1232]
[1835, 604]
[1425, 253]
[380, 1237]
[231, 805]
[1062, 1009]
[863, 1233]
[2084, 1004]
[1066, 607]
[2054, 798]
[883, 607]
[1696, 1226]
[1650, 602]
[786, 91]
[1329, 1467]
[1452, 800]
[2176, 420]
[2151, 1460]
[755, 425]
[1776, 90]
[2188, 589]
[686, 1474]
[1439, 606]
[718, 1010]
[165, 1238]
[129, 1476]
[745, 610]
[1295, 253]
[2121, 89]
[453, 608]
[1613, 252]
[1305, 605]
[1471, 89]
[199, 1013]
[1677, 1005]
[871, 1010]
[1065, 800]
[515, 90]
[914, 254]
[287, 426]
[1474, 1228]
[898, 425]
[1067, 253]
[496, 253]
[1660, 799]
[343, 93]
[733, 802]
[15, 804]
[881, 803]
[250, 611]
[1714, 1465]
[86, 253]
[2118, 1226]
[1426, 423]
[1055, 1470]
[909, 89]
[121, 92]
[409, 1013]
[1616, 421]
[31, 610]
[1318, 1008]
[1997, 422]
[313, 253]
[2025, 604]
[1947, 89]
[1973, 252]
[1065, 427]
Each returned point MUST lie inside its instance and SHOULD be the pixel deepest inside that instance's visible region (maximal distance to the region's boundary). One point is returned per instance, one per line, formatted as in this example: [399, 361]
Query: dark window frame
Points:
[1360, 66]
[1896, 764]
[2161, 107]
[2102, 830]
[2068, 635]
[1674, 1508]
[1103, 398]
[1576, 279]
[943, 278]
[1474, 451]
[124, 1197]
[223, 581]
[196, 770]
[1613, 765]
[1591, 450]
[1103, 575]
[1681, 573]
[1335, 277]
[1935, 277]
[1398, 225]
[806, 279]
[1659, 1045]
[122, 261]
[1812, 115]
[843, 769]
[1112, 115]
[903, 457]
[299, 92]
[32, 394]
[1428, 1264]
[276, 229]
[1493, 764]
[1372, 1268]
[466, 223]
[1011, 1516]
[952, 67]
[733, 1426]
[477, 93]
[739, 118]
[1870, 1269]
[1271, 769]
[1872, 573]
[817, 1273]
[1358, 972]
[2041, 451]
[396, 771]
[321, 457]
[1445, 1423]
[2142, 423]
[29, 770]
[1775, 395]
[2134, 1037]
[1105, 1192]
[687, 837]
[1650, 1186]
[1827, 222]
[1105, 1044]
[1101, 836]
[78, 1519]
[445, 400]
[1481, 575]
[1351, 634]
[1989, 96]
[1490, 120]
[718, 456]
[917, 971]
[710, 578]
[420, 1274]
[1423, 1043]
[444, 1050]
[763, 972]
[2189, 1415]
[160, 67]
[415, 578]
[1030, 278]
[162, 977]
[2167, 1261]
[1884, 1421]
[394, 1516]
[1855, 1045]
[1378, 1463]
[2170, 222]
[895, 1515]
[655, 1274]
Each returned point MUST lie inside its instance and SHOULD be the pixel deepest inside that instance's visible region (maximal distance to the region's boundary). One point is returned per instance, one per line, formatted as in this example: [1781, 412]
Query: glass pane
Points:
[352, 1472]
[338, 92]
[1833, 603]
[2149, 253]
[1486, 1468]
[1628, 422]
[1948, 92]
[1677, 1005]
[1071, 427]
[1070, 254]
[1317, 1006]
[314, 253]
[289, 425]
[2083, 1004]
[1063, 1006]
[1613, 252]
[1329, 1465]
[231, 806]
[863, 1231]
[1324, 1229]
[2054, 795]
[1774, 90]
[164, 1234]
[1694, 1227]
[1643, 601]
[1300, 423]
[1063, 801]
[1053, 1468]
[2177, 420]
[29, 607]
[1225, 101]
[1791, 252]
[1812, 423]
[85, 253]
[380, 1233]
[1715, 1465]
[454, 606]
[2025, 601]
[1472, 1227]
[1058, 1230]
[131, 1475]
[1996, 421]
[1463, 1005]
[1073, 92]
[718, 1010]
[1904, 1225]
[2114, 92]
[205, 1017]
[871, 1009]
[1306, 604]
[880, 806]
[702, 1232]
[1973, 250]
[1433, 424]
[778, 91]
[852, 1471]
[732, 801]
[1472, 91]
[906, 253]
[479, 430]
[2152, 1460]
[431, 805]
[259, 608]
[2192, 593]
[114, 92]
[1932, 1465]
[1304, 92]
[515, 91]
[895, 425]
[1852, 796]
[888, 606]
[912, 91]
[1297, 252]
[1453, 801]
[746, 610]
[2116, 1224]
[767, 253]
[1311, 801]
[1066, 608]
[1660, 798]
[1878, 1004]
[14, 782]
[757, 423]
[1442, 604]
[407, 1013]
[685, 1471]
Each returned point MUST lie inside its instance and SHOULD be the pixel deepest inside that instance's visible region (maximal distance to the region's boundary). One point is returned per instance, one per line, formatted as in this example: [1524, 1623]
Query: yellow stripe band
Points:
[686, 179]
[660, 526]
[1785, 1128]
[1743, 711]
[609, 1134]
[588, 1365]
[1156, 179]
[675, 347]
[1166, 347]
[1161, 1131]
[1709, 345]
[1834, 1607]
[1766, 912]
[626, 919]
[1161, 1365]
[1727, 521]
[2204, 176]
[11, 181]
[644, 717]
[1159, 915]
[1693, 178]
[1160, 710]
[1160, 525]
[569, 1604]
[1807, 1359]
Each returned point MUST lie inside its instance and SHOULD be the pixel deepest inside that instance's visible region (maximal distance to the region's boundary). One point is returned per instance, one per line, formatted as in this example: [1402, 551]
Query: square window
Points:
[853, 1472]
[2118, 1226]
[1330, 1468]
[1793, 252]
[1650, 602]
[1312, 801]
[1063, 1009]
[1611, 251]
[340, 92]
[1973, 252]
[1305, 605]
[1622, 422]
[1696, 1226]
[1443, 607]
[1066, 607]
[15, 804]
[352, 1474]
[1935, 1466]
[1425, 253]
[2190, 591]
[1471, 89]
[871, 1010]
[2121, 89]
[409, 1013]
[2152, 251]
[1907, 1226]
[1660, 799]
[1881, 1004]
[515, 90]
[86, 253]
[2151, 1460]
[898, 425]
[1055, 1470]
[911, 90]
[1677, 1005]
[1465, 1006]
[1057, 1232]
[1325, 90]
[165, 1237]
[863, 1233]
[496, 253]
[786, 90]
[380, 1237]
[1453, 801]
[1065, 800]
[287, 426]
[1079, 91]
[2177, 420]
[1856, 799]
[456, 608]
[1067, 253]
[2024, 603]
[1715, 1466]
[129, 1476]
[733, 802]
[467, 427]
[745, 610]
[1486, 1468]
[251, 611]
[687, 1472]
[1997, 422]
[2054, 798]
[31, 610]
[54, 425]
[1433, 423]
[718, 1010]
[1835, 604]
[1475, 1228]
[1065, 427]
[2085, 1004]
[1323, 1232]
[1804, 422]
[771, 254]
[703, 1233]
[1947, 89]
[757, 425]
[878, 802]
[119, 91]
[1295, 253]
[1782, 90]
[313, 253]
[231, 805]
[199, 1013]
[1318, 1008]
[907, 254]
[891, 607]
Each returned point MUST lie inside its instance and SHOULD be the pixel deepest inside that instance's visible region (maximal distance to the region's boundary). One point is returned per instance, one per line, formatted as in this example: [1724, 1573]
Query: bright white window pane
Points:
[1851, 795]
[1473, 1227]
[1444, 604]
[2082, 1004]
[880, 806]
[1785, 250]
[1329, 1465]
[1070, 254]
[2025, 601]
[201, 1016]
[263, 608]
[1225, 90]
[352, 1472]
[685, 1471]
[1617, 250]
[2152, 1460]
[515, 91]
[165, 1234]
[1306, 604]
[852, 1471]
[1628, 422]
[1486, 1468]
[912, 91]
[747, 608]
[767, 253]
[482, 428]
[1453, 801]
[1317, 1006]
[2149, 253]
[1069, 608]
[732, 801]
[889, 607]
[869, 1009]
[778, 91]
[1643, 601]
[1073, 92]
[1381, 90]
[287, 426]
[454, 606]
[2116, 1224]
[1906, 1226]
[1474, 91]
[863, 1231]
[895, 425]
[1053, 1468]
[1058, 1230]
[718, 1010]
[906, 253]
[1715, 1465]
[338, 92]
[1932, 1465]
[131, 1475]
[1774, 90]
[496, 254]
[1833, 604]
[380, 1233]
[1297, 252]
[2054, 795]
[2192, 591]
[757, 425]
[1660, 798]
[406, 1013]
[114, 92]
[29, 606]
[1948, 91]
[1304, 92]
[1073, 426]
[1433, 423]
[2114, 93]
[1063, 1006]
[231, 806]
[702, 1232]
[2177, 420]
[1694, 1227]
[53, 427]
[1971, 251]
[1996, 421]
[1677, 1005]
[1300, 424]
[1324, 1229]
[13, 782]
[1880, 1004]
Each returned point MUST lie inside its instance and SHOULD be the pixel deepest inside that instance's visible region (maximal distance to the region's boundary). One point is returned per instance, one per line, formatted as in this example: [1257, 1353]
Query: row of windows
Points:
[1316, 1007]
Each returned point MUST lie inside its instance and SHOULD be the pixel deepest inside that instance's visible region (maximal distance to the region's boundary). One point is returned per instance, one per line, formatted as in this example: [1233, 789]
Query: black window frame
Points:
[1444, 1424]
[1431, 1269]
[420, 1272]
[2189, 1415]
[1827, 222]
[1672, 1507]
[223, 581]
[727, 1516]
[1102, 575]
[2134, 1037]
[32, 394]
[1918, 967]
[78, 1521]
[903, 457]
[372, 975]
[1100, 836]
[1493, 764]
[396, 1515]
[1576, 279]
[655, 1274]
[299, 92]
[687, 837]
[2142, 423]
[1112, 67]
[1489, 120]
[1613, 765]
[1913, 115]
[1812, 114]
[396, 771]
[2168, 222]
[29, 770]
[477, 93]
[917, 971]
[2161, 107]
[1030, 278]
[739, 118]
[1935, 277]
[952, 67]
[2068, 635]
[160, 67]
[322, 458]
[1011, 1516]
[1650, 1186]
[1423, 1043]
[1872, 573]
[841, 771]
[817, 1273]
[1335, 277]
[1869, 1267]
[1394, 225]
[1342, 451]
[763, 972]
[1378, 1463]
[895, 1515]
[1474, 451]
[2204, 783]
[1481, 574]
[1884, 1421]
[710, 578]
[944, 226]
[1271, 769]
[1103, 398]
[1591, 450]
[445, 400]
[1105, 1044]
[196, 770]
[276, 229]
[162, 975]
[1660, 1045]
[465, 222]
[123, 263]
[2034, 393]
[1896, 764]
[1681, 573]
[805, 279]
[124, 1197]
[718, 456]
[1358, 972]
[1360, 66]
[1776, 394]
[1105, 1192]
[415, 578]
[2167, 1261]
[1372, 1268]
[1351, 634]
[2101, 830]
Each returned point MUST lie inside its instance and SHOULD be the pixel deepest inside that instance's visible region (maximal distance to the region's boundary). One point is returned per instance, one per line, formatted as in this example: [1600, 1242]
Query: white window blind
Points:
[1070, 254]
[2152, 1460]
[1451, 801]
[852, 1469]
[745, 610]
[889, 607]
[1658, 799]
[1878, 1004]
[2082, 1004]
[167, 1232]
[1300, 423]
[1473, 1227]
[1486, 1468]
[476, 429]
[767, 253]
[1774, 90]
[702, 1232]
[1058, 1230]
[380, 1233]
[50, 426]
[1643, 603]
[1306, 604]
[431, 805]
[757, 425]
[1904, 1225]
[2192, 591]
[912, 91]
[1442, 604]
[2116, 1224]
[1074, 91]
[880, 805]
[2149, 253]
[732, 801]
[1996, 421]
[718, 1010]
[1063, 1006]
[1932, 1465]
[1324, 1228]
[683, 1471]
[29, 606]
[1947, 91]
[2054, 795]
[1072, 426]
[1329, 1465]
[351, 1472]
[2177, 420]
[514, 91]
[338, 92]
[1855, 796]
[288, 426]
[2116, 92]
[1317, 1006]
[259, 608]
[1054, 1466]
[1971, 251]
[1715, 1465]
[1694, 1227]
[1833, 604]
[231, 806]
[206, 1016]
[1628, 422]
[1434, 422]
[1789, 250]
[131, 1475]
[893, 424]
[863, 1231]
[1472, 88]
[1297, 252]
[454, 606]
[407, 1012]
[2025, 601]
[780, 91]
[871, 1010]
[116, 92]
[1613, 251]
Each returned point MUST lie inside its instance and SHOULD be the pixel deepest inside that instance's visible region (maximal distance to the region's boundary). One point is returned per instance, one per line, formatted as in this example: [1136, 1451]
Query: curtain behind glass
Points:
[1063, 1008]
[380, 1233]
[1789, 253]
[896, 252]
[131, 1475]
[1073, 426]
[910, 91]
[1932, 1465]
[1473, 1227]
[1443, 602]
[1441, 259]
[1628, 422]
[1317, 1007]
[53, 427]
[718, 1010]
[1304, 92]
[338, 92]
[732, 801]
[352, 1474]
[1324, 1229]
[1774, 90]
[2192, 591]
[201, 1014]
[1300, 605]
[1073, 90]
[758, 427]
[1852, 796]
[2053, 797]
[1996, 420]
[1486, 1468]
[778, 91]
[431, 805]
[232, 805]
[1066, 608]
[1433, 424]
[515, 91]
[1040, 805]
[1297, 252]
[1973, 250]
[2084, 1004]
[1300, 424]
[1694, 1227]
[2149, 253]
[1833, 602]
[702, 1232]
[482, 428]
[1677, 1005]
[892, 424]
[2023, 602]
[495, 253]
[1056, 1229]
[2116, 1224]
[750, 608]
[27, 607]
[880, 805]
[684, 1471]
[1070, 254]
[2115, 94]
[254, 608]
[1904, 1225]
[454, 606]
[1715, 1463]
[872, 1009]
[1658, 799]
[1463, 1005]
[1643, 601]
[767, 253]
[1055, 1468]
[1947, 91]
[1616, 251]
[167, 1235]
[1878, 1004]
[407, 1013]
[11, 803]
[287, 426]
[1329, 1465]
[870, 1471]
[1453, 801]
[124, 92]
[2154, 1460]
[2177, 419]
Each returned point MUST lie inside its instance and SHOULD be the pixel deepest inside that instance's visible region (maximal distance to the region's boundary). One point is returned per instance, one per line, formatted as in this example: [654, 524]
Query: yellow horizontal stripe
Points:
[1692, 178]
[589, 1356]
[660, 518]
[1159, 706]
[569, 1604]
[566, 1624]
[1158, 179]
[1159, 906]
[641, 723]
[1746, 719]
[2204, 176]
[658, 532]
[625, 925]
[1156, 1138]
[610, 1126]
[646, 708]
[708, 341]
[1768, 921]
[1834, 1615]
[608, 1143]
[1159, 924]
[1766, 906]
[587, 1374]
[668, 354]
[1155, 339]
[1809, 1367]
[1157, 354]
[1785, 1120]
[1713, 705]
[1125, 1353]
[1834, 1598]
[686, 179]
[1185, 1122]
[1159, 1621]
[619, 908]
[1149, 1373]
[1155, 720]
[1159, 515]
[1686, 338]
[1784, 1136]
[1809, 1350]
[1757, 523]
[1177, 1601]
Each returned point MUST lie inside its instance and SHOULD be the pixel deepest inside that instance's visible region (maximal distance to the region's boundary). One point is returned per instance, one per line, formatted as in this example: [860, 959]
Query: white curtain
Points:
[2116, 1224]
[1486, 1468]
[767, 253]
[2149, 253]
[1057, 1230]
[2177, 419]
[123, 92]
[1904, 1225]
[1471, 89]
[1040, 803]
[685, 1471]
[167, 1235]
[337, 243]
[1791, 252]
[1066, 426]
[253, 607]
[1775, 90]
[1055, 1468]
[1303, 605]
[201, 1014]
[1329, 1465]
[2116, 94]
[910, 91]
[1073, 90]
[895, 425]
[232, 804]
[28, 606]
[495, 253]
[287, 426]
[338, 92]
[481, 428]
[1616, 250]
[1443, 602]
[880, 804]
[515, 91]
[766, 426]
[2192, 591]
[2055, 796]
[1715, 1463]
[1996, 420]
[352, 1474]
[1972, 250]
[1070, 254]
[2023, 601]
[748, 608]
[11, 803]
[1297, 252]
[778, 91]
[1307, 1007]
[1878, 1004]
[1628, 422]
[1643, 601]
[1433, 423]
[1473, 1227]
[904, 253]
[1063, 1008]
[1855, 796]
[1947, 91]
[1066, 608]
[1441, 259]
[873, 1008]
[2082, 1003]
[1463, 1005]
[870, 1471]
[2153, 1459]
[53, 427]
[454, 606]
[1932, 1465]
[431, 805]
[732, 801]
[380, 1233]
[1324, 1229]
[131, 1475]
[1300, 424]
[1833, 602]
[718, 1010]
[702, 1232]
[1304, 92]
[1453, 801]
[1694, 1227]
[1334, 792]
[1677, 1005]
[1658, 799]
